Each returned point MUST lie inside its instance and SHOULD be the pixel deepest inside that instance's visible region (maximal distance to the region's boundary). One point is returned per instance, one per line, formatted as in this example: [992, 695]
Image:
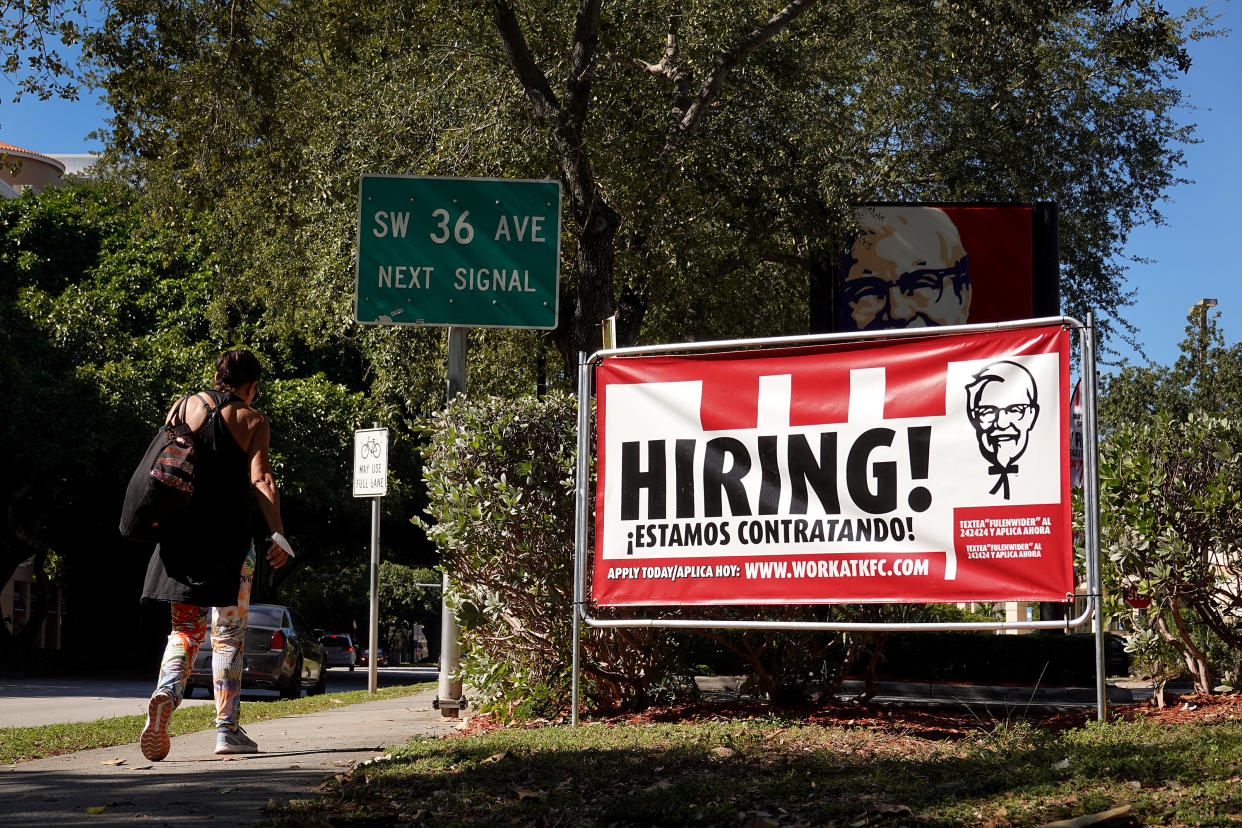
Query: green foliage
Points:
[37, 38]
[104, 321]
[1169, 475]
[1171, 528]
[1206, 376]
[500, 481]
[499, 478]
[694, 209]
[98, 329]
[405, 600]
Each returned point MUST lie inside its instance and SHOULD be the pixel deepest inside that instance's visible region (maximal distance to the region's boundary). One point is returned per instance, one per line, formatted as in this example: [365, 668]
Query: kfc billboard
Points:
[927, 265]
[930, 468]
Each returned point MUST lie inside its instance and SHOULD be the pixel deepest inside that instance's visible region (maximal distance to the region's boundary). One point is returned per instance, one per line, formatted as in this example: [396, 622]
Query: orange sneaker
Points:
[154, 740]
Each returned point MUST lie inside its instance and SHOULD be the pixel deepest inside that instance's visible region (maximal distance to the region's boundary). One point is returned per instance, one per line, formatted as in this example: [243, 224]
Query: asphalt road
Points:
[26, 702]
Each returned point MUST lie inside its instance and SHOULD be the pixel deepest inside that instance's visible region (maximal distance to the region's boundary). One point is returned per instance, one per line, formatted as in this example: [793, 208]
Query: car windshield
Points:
[336, 641]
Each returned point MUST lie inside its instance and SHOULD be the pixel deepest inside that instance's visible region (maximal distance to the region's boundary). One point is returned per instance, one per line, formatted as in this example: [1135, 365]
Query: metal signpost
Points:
[371, 480]
[477, 252]
[449, 697]
[462, 253]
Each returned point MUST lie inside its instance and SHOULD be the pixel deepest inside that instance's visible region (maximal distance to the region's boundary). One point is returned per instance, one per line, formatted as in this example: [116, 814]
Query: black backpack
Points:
[161, 487]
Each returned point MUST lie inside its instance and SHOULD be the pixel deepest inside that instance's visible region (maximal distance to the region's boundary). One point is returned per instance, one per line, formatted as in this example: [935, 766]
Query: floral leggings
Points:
[228, 631]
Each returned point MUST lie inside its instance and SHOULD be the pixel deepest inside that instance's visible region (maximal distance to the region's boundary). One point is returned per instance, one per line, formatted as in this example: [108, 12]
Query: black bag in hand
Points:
[161, 487]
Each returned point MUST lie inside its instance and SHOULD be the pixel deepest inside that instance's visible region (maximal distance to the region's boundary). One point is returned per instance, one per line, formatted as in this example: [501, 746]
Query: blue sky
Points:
[1194, 253]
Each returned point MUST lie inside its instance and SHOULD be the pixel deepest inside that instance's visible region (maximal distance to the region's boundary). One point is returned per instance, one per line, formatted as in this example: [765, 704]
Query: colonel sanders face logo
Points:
[906, 269]
[1002, 403]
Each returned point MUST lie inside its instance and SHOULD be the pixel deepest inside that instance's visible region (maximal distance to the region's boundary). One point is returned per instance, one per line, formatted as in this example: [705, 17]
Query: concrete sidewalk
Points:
[193, 785]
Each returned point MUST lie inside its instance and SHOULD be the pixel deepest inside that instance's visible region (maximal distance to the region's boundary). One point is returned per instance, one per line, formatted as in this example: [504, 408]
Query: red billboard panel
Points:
[929, 265]
[905, 470]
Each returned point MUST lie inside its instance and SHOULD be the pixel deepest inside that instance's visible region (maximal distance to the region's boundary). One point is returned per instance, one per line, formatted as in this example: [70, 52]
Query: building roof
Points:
[77, 162]
[20, 152]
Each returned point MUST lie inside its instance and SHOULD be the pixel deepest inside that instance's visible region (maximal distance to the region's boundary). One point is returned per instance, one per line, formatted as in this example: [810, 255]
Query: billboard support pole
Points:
[448, 694]
[1091, 511]
[582, 481]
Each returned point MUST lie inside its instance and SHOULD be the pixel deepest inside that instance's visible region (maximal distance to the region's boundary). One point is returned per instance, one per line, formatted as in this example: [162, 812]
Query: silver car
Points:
[340, 650]
[281, 653]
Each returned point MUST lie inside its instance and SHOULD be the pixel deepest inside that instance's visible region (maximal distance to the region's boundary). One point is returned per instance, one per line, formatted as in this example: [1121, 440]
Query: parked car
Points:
[280, 653]
[421, 651]
[380, 661]
[340, 650]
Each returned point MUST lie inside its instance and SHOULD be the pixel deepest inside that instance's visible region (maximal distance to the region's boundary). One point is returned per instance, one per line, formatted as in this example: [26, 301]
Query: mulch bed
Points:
[927, 723]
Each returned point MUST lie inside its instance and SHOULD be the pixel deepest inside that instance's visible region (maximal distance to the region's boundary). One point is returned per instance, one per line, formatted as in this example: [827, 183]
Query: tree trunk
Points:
[1196, 659]
[595, 297]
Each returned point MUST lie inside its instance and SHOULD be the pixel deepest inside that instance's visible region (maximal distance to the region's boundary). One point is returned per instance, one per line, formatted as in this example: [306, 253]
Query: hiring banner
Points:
[900, 470]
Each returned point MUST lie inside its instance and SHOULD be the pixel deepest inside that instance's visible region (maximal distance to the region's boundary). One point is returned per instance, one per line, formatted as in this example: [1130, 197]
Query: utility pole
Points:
[1200, 309]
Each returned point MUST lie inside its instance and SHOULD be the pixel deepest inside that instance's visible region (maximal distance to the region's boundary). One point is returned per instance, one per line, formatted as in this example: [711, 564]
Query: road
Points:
[28, 702]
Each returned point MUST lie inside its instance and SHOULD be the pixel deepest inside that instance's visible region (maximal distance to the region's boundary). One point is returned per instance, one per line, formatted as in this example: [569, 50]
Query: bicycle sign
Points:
[371, 462]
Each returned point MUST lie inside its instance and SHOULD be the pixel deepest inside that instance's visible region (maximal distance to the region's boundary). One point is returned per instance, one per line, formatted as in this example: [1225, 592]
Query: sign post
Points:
[461, 253]
[371, 480]
[448, 692]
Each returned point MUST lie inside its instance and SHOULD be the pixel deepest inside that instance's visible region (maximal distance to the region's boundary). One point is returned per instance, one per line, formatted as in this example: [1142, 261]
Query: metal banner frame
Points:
[1092, 612]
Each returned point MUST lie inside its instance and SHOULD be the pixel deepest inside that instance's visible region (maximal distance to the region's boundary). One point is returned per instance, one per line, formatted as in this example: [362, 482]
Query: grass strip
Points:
[21, 744]
[773, 772]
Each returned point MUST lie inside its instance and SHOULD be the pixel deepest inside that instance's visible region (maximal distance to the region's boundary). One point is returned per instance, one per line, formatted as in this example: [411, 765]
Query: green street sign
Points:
[475, 252]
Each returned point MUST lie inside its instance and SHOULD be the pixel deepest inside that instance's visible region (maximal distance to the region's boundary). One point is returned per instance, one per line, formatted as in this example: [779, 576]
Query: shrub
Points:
[500, 484]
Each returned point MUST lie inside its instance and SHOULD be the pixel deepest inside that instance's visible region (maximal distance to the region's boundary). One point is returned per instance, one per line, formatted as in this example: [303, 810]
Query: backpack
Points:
[162, 485]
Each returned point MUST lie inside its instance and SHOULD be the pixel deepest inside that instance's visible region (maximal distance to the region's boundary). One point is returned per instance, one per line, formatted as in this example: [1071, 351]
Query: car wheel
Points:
[189, 692]
[351, 668]
[321, 686]
[293, 688]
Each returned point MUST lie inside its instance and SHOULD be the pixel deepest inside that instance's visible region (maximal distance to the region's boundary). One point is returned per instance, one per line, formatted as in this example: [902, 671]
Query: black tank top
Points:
[199, 561]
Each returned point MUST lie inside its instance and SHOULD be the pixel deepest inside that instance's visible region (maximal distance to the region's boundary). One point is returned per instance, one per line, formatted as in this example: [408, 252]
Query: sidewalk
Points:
[193, 785]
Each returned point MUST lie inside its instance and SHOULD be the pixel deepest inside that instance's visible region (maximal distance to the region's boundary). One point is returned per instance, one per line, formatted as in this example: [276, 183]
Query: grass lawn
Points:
[770, 771]
[21, 744]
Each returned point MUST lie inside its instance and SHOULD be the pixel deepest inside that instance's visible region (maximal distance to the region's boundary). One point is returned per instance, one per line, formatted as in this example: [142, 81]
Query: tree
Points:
[32, 35]
[705, 195]
[1170, 467]
[404, 600]
[102, 325]
[1171, 526]
[1206, 376]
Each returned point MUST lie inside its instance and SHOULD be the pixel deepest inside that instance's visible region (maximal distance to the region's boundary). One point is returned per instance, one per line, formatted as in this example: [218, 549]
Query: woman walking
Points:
[205, 561]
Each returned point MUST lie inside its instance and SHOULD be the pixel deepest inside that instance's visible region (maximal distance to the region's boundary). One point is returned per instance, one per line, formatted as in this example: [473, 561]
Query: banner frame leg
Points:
[582, 480]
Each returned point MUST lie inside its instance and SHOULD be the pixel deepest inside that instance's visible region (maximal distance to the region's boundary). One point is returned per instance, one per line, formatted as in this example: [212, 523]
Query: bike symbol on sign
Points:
[371, 448]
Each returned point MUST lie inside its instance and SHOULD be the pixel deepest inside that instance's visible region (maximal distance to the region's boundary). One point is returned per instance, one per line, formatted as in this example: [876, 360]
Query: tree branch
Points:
[660, 70]
[787, 259]
[582, 55]
[667, 67]
[533, 81]
[733, 56]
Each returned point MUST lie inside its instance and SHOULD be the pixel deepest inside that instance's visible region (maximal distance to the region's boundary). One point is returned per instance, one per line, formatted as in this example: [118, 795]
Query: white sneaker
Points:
[229, 741]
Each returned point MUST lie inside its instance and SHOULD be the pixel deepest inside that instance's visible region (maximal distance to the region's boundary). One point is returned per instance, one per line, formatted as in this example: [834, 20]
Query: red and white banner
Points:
[902, 470]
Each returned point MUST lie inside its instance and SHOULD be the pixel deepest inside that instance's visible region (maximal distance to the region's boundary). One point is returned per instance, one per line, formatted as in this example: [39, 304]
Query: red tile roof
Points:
[5, 147]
